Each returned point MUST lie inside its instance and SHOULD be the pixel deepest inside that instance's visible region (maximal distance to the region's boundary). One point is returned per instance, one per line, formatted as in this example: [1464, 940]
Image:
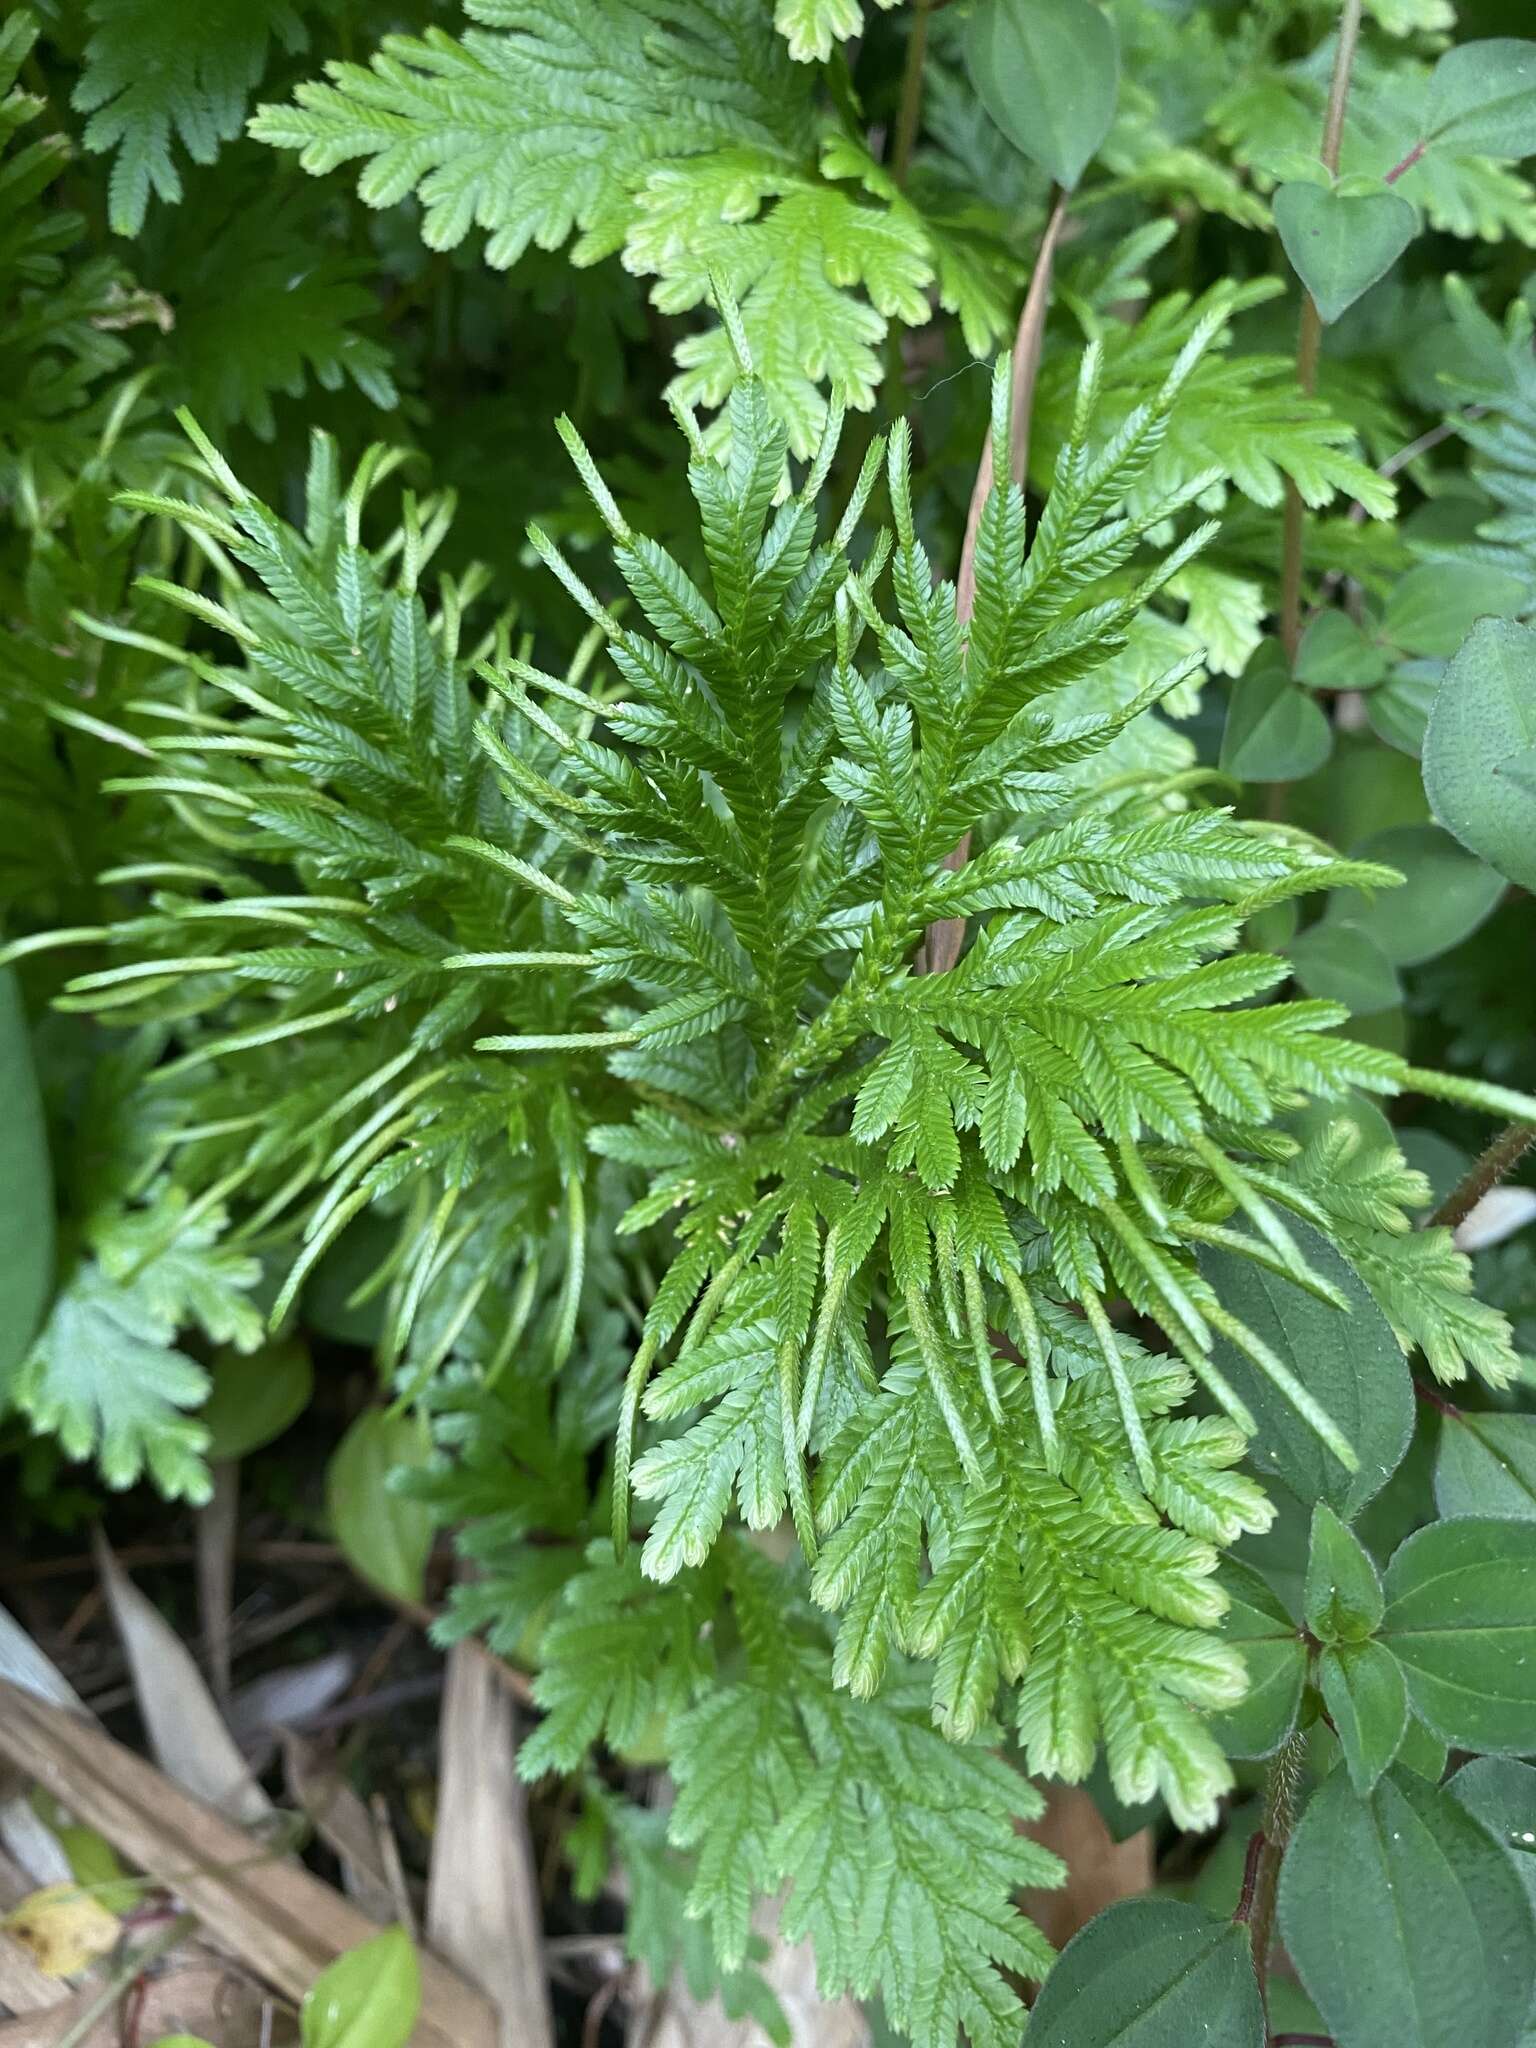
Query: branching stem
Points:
[1407, 163]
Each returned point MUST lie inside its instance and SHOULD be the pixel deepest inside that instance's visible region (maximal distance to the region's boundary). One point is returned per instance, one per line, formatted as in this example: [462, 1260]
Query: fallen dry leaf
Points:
[24, 1664]
[483, 1898]
[258, 1711]
[276, 1917]
[23, 1987]
[187, 1733]
[31, 1844]
[23, 1837]
[342, 1822]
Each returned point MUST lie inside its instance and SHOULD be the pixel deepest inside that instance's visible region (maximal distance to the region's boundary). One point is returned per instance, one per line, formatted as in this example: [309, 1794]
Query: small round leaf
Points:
[256, 1396]
[1048, 72]
[387, 1538]
[1274, 732]
[368, 1998]
[1445, 895]
[1341, 243]
[1480, 748]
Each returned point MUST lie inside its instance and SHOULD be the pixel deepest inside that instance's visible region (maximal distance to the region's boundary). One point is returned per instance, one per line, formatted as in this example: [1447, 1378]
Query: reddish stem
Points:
[1485, 1173]
[941, 947]
[1407, 164]
[1255, 1857]
[133, 2011]
[1433, 1400]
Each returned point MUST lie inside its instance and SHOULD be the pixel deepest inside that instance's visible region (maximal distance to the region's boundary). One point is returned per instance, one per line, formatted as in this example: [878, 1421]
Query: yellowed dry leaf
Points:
[23, 1987]
[63, 1929]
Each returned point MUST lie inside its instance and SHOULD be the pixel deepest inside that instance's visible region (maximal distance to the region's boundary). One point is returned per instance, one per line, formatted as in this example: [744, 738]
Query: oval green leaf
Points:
[387, 1538]
[348, 1265]
[1274, 731]
[1151, 1973]
[1421, 1751]
[1272, 1647]
[1486, 1465]
[255, 1397]
[1404, 1919]
[1461, 1620]
[1335, 654]
[1480, 748]
[1482, 99]
[1048, 72]
[1343, 1598]
[1367, 1700]
[26, 1187]
[1341, 243]
[1350, 1362]
[368, 1998]
[1342, 963]
[1432, 609]
[1446, 894]
[1502, 1795]
[1399, 710]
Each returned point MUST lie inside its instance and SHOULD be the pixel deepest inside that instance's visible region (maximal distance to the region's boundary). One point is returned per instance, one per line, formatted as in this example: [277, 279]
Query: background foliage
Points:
[465, 839]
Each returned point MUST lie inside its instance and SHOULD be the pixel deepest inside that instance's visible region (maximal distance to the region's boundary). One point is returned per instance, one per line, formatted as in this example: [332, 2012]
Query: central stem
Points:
[911, 93]
[941, 947]
[1309, 339]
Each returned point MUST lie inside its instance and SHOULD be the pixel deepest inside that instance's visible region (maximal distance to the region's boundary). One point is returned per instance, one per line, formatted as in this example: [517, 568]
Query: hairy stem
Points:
[1501, 1157]
[941, 947]
[1257, 1843]
[1309, 339]
[1274, 1834]
[911, 92]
